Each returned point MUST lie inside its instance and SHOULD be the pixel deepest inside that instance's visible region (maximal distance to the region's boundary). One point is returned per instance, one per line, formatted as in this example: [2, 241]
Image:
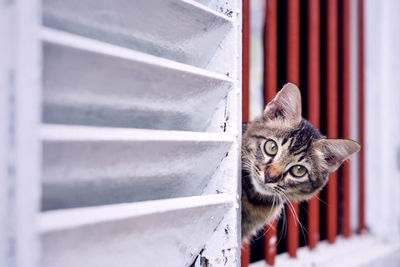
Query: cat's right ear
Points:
[286, 105]
[336, 151]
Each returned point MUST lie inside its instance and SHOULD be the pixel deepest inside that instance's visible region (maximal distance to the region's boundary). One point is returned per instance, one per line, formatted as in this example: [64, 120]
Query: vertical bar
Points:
[20, 152]
[313, 77]
[346, 230]
[7, 15]
[245, 256]
[245, 259]
[332, 112]
[270, 247]
[293, 75]
[362, 227]
[270, 87]
[271, 51]
[245, 60]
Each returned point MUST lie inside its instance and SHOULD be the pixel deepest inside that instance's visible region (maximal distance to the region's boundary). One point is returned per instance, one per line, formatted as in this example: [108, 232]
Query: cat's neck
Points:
[255, 197]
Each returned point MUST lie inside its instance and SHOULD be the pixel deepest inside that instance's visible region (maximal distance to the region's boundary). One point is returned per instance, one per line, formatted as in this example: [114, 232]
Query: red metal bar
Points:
[362, 226]
[270, 243]
[293, 41]
[245, 60]
[270, 88]
[346, 228]
[293, 75]
[271, 51]
[245, 258]
[313, 76]
[332, 111]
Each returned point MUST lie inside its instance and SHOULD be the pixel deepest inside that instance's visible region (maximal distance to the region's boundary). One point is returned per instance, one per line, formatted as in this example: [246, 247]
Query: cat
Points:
[284, 158]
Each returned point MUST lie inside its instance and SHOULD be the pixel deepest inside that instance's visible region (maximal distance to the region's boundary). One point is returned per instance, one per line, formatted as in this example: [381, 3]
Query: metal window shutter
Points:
[140, 134]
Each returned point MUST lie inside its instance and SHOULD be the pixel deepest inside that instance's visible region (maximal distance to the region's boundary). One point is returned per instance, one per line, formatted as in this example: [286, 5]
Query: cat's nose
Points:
[269, 178]
[272, 174]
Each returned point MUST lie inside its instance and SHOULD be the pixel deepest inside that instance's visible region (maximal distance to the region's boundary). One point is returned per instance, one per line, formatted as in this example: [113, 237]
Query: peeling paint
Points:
[204, 262]
[224, 257]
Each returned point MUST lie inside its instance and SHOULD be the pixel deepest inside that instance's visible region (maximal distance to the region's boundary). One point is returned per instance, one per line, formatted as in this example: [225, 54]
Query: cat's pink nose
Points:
[269, 178]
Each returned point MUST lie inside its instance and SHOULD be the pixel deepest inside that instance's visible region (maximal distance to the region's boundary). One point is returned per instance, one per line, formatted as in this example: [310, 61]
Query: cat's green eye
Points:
[271, 148]
[298, 171]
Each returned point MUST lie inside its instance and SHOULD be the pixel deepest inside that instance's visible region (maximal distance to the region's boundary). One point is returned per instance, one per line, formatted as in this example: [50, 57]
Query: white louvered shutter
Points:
[141, 118]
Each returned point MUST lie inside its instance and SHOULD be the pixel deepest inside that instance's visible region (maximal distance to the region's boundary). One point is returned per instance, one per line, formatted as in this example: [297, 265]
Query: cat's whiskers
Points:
[247, 164]
[293, 212]
[270, 213]
[282, 234]
[284, 224]
[316, 196]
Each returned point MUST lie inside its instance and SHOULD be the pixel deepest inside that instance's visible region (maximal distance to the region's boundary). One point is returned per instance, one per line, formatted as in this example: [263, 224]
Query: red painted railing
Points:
[362, 226]
[314, 87]
[332, 112]
[271, 51]
[246, 61]
[337, 60]
[270, 89]
[346, 228]
[293, 75]
[245, 258]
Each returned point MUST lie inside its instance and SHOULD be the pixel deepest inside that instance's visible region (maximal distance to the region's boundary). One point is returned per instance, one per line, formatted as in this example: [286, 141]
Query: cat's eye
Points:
[271, 148]
[298, 171]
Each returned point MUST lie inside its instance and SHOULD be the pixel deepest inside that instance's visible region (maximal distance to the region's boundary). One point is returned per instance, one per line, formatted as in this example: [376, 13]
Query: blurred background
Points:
[120, 130]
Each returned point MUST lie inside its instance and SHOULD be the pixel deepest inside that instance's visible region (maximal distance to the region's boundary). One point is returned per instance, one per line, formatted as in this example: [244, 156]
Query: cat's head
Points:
[285, 155]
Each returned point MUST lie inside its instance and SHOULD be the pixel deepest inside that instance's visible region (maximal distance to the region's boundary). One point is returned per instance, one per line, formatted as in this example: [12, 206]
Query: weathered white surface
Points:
[93, 83]
[154, 233]
[84, 166]
[358, 251]
[223, 248]
[182, 30]
[107, 81]
[226, 8]
[6, 17]
[382, 102]
[19, 144]
[354, 115]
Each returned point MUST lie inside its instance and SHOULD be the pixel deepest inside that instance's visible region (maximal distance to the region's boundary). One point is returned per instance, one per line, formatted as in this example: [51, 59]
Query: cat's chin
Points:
[261, 188]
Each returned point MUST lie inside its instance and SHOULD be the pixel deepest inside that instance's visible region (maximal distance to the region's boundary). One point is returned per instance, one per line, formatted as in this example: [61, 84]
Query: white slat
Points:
[92, 83]
[86, 166]
[161, 187]
[182, 30]
[154, 233]
[20, 100]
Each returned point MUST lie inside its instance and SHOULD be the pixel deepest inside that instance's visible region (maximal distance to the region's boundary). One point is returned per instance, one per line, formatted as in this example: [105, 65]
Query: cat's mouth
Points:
[264, 187]
[268, 179]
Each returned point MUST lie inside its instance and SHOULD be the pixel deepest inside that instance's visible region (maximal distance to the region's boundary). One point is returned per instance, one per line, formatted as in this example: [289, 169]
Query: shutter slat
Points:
[123, 234]
[140, 106]
[92, 83]
[88, 166]
[182, 30]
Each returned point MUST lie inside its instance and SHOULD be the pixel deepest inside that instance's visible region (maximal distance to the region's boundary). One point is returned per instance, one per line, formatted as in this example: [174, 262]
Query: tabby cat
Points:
[284, 158]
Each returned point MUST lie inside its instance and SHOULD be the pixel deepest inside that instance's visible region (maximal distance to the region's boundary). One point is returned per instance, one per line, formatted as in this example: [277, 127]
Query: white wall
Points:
[382, 147]
[19, 118]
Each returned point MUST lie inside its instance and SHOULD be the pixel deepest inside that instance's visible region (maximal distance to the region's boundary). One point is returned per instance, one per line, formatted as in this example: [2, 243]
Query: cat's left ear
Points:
[286, 105]
[336, 151]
